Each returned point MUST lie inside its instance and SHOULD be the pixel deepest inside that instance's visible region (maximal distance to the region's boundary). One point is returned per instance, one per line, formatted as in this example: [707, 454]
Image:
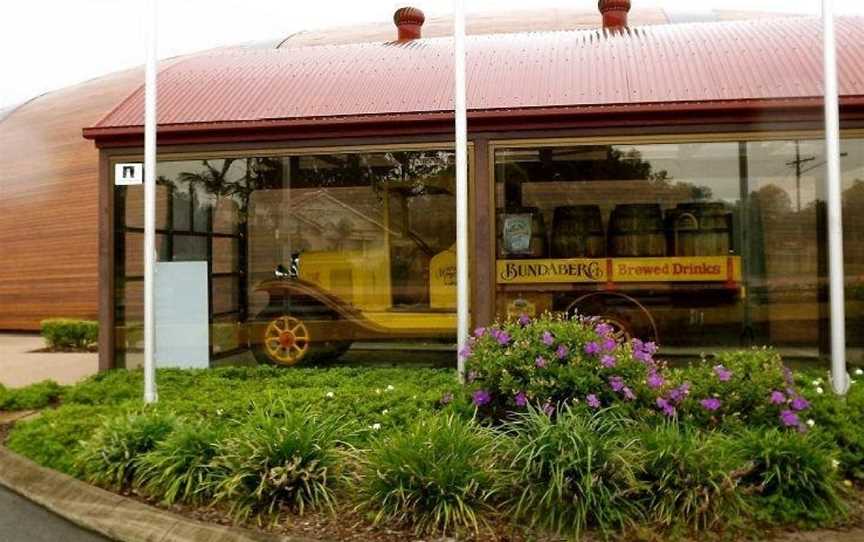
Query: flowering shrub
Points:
[554, 360]
[749, 387]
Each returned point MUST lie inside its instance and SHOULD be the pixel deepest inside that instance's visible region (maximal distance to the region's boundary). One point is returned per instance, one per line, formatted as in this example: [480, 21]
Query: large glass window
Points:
[310, 258]
[700, 246]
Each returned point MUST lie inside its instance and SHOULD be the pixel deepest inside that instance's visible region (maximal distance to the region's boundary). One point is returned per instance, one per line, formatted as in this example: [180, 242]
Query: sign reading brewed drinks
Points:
[589, 270]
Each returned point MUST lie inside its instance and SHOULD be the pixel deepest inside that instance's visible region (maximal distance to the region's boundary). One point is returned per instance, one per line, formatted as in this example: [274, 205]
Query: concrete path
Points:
[20, 366]
[23, 521]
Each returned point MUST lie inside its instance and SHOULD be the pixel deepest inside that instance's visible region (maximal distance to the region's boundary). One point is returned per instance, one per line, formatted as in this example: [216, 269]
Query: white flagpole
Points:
[462, 289]
[839, 376]
[150, 395]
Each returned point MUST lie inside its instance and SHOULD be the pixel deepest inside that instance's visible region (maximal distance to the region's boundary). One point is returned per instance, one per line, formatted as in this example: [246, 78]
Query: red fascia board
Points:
[545, 117]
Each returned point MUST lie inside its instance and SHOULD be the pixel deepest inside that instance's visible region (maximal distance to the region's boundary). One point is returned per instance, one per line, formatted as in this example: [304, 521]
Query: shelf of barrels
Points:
[656, 274]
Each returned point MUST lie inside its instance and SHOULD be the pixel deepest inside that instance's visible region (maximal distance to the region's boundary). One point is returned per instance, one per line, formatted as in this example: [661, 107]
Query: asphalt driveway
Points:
[23, 521]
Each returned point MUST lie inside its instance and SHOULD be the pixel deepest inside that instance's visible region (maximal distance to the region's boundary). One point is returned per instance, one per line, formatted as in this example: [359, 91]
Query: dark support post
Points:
[106, 265]
[482, 255]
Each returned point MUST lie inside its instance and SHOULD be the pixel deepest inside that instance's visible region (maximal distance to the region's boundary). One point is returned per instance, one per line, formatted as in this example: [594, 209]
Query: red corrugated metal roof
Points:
[777, 59]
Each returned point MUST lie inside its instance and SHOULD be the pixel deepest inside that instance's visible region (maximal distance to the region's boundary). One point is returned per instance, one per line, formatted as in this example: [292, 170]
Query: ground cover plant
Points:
[562, 428]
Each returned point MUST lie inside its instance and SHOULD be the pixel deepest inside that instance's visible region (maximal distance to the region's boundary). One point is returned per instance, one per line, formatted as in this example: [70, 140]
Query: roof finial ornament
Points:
[409, 22]
[614, 13]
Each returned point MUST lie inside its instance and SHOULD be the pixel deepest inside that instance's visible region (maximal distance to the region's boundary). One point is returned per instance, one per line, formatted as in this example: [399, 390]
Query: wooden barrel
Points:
[577, 232]
[521, 234]
[699, 229]
[636, 230]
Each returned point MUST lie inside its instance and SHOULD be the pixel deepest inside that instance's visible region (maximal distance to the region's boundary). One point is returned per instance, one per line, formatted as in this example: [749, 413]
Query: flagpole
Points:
[462, 289]
[150, 394]
[839, 376]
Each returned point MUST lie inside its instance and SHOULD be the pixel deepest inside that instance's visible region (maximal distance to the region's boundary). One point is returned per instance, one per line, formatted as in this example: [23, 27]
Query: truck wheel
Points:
[629, 318]
[286, 340]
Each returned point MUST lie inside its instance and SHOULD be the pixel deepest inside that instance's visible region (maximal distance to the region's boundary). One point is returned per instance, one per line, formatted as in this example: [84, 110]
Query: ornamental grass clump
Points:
[180, 467]
[438, 476]
[111, 456]
[691, 478]
[575, 470]
[554, 360]
[280, 460]
[793, 478]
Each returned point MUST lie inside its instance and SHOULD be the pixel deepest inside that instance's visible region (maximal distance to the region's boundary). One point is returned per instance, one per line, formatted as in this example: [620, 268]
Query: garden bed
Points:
[561, 431]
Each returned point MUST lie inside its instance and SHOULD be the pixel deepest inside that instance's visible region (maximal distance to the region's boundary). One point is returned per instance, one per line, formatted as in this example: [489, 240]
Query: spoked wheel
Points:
[628, 318]
[286, 340]
[289, 339]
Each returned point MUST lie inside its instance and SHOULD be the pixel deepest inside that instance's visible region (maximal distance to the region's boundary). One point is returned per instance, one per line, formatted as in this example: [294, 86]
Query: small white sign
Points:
[128, 174]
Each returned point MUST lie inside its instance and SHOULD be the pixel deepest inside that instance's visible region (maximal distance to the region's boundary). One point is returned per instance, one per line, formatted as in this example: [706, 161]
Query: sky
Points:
[51, 44]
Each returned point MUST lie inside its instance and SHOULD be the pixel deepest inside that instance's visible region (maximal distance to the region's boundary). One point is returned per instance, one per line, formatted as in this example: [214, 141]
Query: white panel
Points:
[182, 323]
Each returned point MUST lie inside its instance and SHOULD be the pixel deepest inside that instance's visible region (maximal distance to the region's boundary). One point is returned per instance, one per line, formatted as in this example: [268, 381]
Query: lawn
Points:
[560, 431]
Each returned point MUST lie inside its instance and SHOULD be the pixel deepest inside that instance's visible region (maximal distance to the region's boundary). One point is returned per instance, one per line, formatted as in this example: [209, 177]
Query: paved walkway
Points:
[20, 366]
[23, 521]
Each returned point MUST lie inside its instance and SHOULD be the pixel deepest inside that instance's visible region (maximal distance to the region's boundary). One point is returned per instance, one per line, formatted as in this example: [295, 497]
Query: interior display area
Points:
[308, 255]
[700, 245]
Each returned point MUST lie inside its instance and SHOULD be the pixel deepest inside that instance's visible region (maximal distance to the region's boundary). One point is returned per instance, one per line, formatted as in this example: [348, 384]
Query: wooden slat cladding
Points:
[49, 203]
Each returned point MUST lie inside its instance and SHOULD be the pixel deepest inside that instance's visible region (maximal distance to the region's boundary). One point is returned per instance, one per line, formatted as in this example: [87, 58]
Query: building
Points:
[664, 177]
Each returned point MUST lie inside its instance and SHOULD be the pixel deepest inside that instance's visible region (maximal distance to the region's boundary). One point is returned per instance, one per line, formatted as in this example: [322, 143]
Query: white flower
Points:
[390, 387]
[377, 391]
[835, 463]
[847, 483]
[811, 422]
[219, 411]
[820, 390]
[817, 381]
[853, 381]
[384, 412]
[376, 426]
[859, 372]
[329, 395]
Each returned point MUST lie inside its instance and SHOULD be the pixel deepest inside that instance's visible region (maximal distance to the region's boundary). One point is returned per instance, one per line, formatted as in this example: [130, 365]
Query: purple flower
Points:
[592, 401]
[777, 398]
[592, 348]
[609, 344]
[665, 406]
[712, 403]
[548, 408]
[481, 397]
[676, 395]
[628, 394]
[521, 400]
[637, 344]
[524, 320]
[562, 351]
[607, 361]
[502, 337]
[650, 348]
[799, 404]
[447, 398]
[617, 383]
[540, 362]
[548, 339]
[789, 419]
[465, 351]
[603, 329]
[655, 380]
[724, 374]
[479, 332]
[642, 356]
